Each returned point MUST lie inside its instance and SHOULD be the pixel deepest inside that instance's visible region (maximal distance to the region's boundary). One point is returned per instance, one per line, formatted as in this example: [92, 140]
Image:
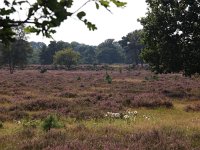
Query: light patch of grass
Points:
[128, 80]
[195, 92]
[176, 118]
[31, 94]
[10, 128]
[160, 117]
[99, 89]
[180, 104]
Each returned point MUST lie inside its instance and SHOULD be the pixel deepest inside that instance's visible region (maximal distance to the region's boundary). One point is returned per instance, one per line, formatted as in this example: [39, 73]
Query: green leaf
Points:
[119, 3]
[104, 3]
[52, 31]
[6, 3]
[81, 14]
[30, 29]
[3, 11]
[97, 5]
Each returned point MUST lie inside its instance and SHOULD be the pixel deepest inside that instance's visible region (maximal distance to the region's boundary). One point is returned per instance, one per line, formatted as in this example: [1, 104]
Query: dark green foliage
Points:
[66, 57]
[43, 70]
[37, 48]
[108, 78]
[79, 78]
[110, 52]
[47, 53]
[171, 36]
[133, 47]
[89, 55]
[51, 122]
[16, 54]
[87, 52]
[1, 124]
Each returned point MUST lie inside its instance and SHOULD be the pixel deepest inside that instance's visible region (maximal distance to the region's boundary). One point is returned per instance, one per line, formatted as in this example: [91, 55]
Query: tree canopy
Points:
[132, 46]
[171, 36]
[17, 52]
[66, 57]
[110, 52]
[43, 15]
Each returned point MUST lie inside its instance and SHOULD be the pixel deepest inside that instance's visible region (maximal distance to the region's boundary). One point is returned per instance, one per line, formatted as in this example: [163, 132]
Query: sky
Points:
[113, 25]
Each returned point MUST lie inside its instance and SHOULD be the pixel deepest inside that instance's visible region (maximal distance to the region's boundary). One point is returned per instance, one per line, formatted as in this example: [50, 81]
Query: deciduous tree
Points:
[17, 52]
[66, 57]
[132, 46]
[172, 36]
[110, 52]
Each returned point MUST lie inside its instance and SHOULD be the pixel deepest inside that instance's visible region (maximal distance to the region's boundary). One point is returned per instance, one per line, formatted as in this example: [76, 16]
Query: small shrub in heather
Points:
[108, 79]
[1, 124]
[78, 78]
[51, 122]
[43, 70]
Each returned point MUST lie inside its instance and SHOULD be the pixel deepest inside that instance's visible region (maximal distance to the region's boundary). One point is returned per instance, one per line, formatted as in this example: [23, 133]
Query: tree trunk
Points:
[11, 67]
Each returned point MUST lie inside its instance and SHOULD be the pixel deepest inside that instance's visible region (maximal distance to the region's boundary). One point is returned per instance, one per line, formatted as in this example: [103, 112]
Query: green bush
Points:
[108, 79]
[51, 122]
[43, 70]
[1, 124]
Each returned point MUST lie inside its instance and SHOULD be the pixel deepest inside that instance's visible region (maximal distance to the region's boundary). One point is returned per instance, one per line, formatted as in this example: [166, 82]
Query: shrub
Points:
[78, 78]
[67, 57]
[1, 124]
[43, 70]
[51, 122]
[108, 79]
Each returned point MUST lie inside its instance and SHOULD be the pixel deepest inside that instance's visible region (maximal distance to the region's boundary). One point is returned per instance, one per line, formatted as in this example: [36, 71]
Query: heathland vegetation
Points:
[75, 96]
[81, 110]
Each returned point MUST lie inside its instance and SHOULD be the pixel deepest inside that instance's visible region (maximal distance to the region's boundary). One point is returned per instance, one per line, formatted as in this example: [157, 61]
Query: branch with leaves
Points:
[44, 15]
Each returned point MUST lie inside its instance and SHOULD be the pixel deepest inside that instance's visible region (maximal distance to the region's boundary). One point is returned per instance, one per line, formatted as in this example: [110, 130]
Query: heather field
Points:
[86, 110]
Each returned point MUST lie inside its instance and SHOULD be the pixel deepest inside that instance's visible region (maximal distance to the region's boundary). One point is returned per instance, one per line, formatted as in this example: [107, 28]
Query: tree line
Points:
[170, 35]
[126, 51]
